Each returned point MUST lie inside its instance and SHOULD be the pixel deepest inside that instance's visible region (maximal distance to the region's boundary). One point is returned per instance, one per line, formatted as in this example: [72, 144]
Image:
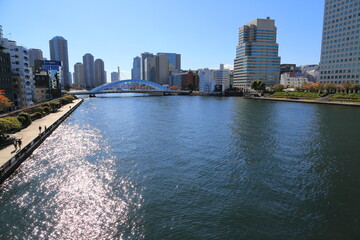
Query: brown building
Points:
[190, 81]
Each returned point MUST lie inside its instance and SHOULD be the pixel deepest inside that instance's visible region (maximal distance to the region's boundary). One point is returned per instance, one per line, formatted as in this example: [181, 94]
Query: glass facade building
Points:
[340, 48]
[257, 54]
[174, 60]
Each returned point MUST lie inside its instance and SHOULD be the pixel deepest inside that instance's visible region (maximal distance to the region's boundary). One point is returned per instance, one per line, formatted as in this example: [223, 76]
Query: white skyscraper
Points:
[340, 56]
[257, 54]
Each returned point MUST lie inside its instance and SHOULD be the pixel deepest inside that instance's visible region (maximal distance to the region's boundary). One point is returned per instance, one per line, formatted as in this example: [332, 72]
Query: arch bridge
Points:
[129, 86]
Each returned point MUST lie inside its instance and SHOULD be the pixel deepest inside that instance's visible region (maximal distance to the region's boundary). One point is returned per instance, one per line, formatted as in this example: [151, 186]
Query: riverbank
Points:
[318, 101]
[31, 138]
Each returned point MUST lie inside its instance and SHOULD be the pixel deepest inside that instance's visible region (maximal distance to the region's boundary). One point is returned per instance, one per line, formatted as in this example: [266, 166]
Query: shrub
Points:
[45, 104]
[8, 124]
[47, 109]
[24, 119]
[38, 109]
[35, 116]
[55, 104]
[66, 99]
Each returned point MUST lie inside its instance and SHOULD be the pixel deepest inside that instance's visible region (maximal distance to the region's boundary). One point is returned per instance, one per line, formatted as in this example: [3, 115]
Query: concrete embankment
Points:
[31, 138]
[354, 104]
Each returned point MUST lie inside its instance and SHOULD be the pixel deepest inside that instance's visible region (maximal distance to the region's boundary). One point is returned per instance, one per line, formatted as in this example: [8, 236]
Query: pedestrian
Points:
[15, 144]
[45, 128]
[19, 143]
[39, 129]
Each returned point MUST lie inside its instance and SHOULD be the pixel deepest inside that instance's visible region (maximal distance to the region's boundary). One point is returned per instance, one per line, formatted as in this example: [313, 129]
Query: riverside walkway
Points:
[29, 133]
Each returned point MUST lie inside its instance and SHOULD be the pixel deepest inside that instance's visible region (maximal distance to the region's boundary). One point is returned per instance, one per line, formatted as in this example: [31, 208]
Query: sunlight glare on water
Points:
[74, 199]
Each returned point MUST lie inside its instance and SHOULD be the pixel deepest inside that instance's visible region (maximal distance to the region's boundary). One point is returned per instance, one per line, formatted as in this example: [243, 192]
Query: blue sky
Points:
[205, 33]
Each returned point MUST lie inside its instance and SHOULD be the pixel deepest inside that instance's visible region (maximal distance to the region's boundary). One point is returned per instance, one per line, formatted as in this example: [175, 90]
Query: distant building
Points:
[311, 72]
[23, 83]
[257, 54]
[35, 54]
[47, 76]
[221, 78]
[89, 71]
[79, 78]
[285, 68]
[149, 69]
[187, 80]
[59, 52]
[161, 69]
[100, 76]
[340, 42]
[206, 81]
[291, 80]
[176, 78]
[136, 70]
[144, 56]
[114, 76]
[174, 60]
[231, 78]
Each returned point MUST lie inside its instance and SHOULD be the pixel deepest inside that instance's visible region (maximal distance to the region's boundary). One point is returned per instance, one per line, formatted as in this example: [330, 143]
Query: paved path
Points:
[32, 131]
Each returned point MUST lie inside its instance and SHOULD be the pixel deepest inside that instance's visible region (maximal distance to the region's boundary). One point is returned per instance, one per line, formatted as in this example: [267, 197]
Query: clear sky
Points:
[204, 32]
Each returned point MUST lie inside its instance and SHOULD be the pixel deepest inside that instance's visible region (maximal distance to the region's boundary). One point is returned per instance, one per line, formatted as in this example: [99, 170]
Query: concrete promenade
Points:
[318, 101]
[28, 134]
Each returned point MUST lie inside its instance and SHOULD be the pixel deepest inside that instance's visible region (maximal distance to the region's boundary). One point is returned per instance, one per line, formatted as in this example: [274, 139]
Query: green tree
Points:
[258, 85]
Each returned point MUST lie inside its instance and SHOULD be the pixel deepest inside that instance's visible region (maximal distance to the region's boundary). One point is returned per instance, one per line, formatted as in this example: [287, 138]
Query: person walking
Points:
[39, 129]
[15, 144]
[19, 143]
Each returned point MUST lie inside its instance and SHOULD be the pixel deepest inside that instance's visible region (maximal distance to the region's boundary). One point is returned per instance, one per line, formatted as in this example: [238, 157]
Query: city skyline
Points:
[125, 31]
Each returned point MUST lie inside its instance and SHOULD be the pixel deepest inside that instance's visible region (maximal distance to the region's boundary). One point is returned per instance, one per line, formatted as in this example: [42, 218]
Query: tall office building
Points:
[59, 52]
[100, 76]
[149, 69]
[89, 71]
[161, 69]
[136, 70]
[35, 54]
[143, 58]
[340, 49]
[79, 79]
[174, 60]
[257, 54]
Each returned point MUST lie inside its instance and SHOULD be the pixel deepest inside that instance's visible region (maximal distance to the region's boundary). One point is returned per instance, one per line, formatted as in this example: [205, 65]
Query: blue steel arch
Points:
[148, 83]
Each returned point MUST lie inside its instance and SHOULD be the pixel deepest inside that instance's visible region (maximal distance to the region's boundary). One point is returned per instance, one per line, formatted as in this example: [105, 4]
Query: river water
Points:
[182, 167]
